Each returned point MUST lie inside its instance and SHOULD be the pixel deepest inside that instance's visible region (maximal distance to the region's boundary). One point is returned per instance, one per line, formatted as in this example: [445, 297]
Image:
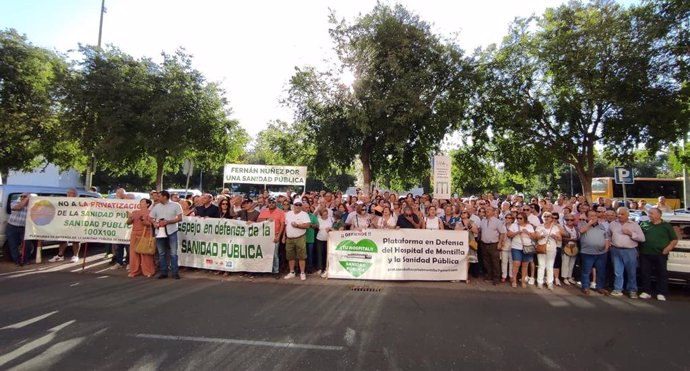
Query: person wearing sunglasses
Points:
[572, 237]
[521, 234]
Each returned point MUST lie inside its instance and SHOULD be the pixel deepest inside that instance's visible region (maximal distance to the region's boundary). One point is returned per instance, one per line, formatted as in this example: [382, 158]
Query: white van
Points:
[11, 192]
[679, 259]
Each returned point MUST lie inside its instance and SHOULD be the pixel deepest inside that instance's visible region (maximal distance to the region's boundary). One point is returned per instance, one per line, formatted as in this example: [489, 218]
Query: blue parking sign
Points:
[623, 175]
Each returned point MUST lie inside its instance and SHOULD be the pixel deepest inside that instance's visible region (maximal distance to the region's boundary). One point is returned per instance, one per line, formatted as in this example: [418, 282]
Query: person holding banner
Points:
[141, 228]
[72, 192]
[325, 226]
[165, 216]
[358, 219]
[274, 214]
[467, 224]
[15, 231]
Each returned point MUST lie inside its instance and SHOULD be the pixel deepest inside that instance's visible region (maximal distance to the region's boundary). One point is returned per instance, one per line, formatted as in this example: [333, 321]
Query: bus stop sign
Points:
[623, 175]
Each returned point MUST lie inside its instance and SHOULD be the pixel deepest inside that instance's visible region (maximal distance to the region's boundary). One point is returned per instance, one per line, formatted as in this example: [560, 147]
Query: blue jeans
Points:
[598, 262]
[624, 265]
[276, 258]
[15, 236]
[310, 257]
[161, 245]
[120, 254]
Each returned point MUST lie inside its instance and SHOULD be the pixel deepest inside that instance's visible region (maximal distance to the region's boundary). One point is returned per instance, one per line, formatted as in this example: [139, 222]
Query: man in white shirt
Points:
[296, 224]
[165, 215]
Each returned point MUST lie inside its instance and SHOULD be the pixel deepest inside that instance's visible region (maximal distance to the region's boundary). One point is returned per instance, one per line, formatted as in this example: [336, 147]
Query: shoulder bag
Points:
[527, 249]
[541, 247]
[145, 245]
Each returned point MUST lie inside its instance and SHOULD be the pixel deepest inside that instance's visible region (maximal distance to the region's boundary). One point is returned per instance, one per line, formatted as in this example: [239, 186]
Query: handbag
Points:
[145, 245]
[473, 244]
[541, 247]
[527, 249]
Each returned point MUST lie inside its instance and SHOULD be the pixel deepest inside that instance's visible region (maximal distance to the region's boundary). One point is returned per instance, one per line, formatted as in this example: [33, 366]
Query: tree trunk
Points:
[585, 176]
[159, 174]
[366, 171]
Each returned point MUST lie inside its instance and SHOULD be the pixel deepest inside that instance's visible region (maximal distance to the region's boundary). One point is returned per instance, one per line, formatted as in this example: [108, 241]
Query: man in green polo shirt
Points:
[660, 239]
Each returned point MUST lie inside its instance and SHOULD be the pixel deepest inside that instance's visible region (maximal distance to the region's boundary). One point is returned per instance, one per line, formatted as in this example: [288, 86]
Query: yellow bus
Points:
[648, 189]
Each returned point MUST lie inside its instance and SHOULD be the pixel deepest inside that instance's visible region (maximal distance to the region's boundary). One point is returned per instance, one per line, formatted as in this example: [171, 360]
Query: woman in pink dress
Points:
[141, 226]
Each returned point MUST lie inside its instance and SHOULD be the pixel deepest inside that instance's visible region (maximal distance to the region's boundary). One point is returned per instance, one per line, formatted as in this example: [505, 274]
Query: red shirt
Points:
[277, 215]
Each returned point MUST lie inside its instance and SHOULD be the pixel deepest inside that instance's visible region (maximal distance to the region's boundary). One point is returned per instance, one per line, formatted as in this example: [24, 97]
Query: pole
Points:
[572, 189]
[685, 178]
[625, 197]
[91, 167]
[201, 179]
[86, 250]
[186, 187]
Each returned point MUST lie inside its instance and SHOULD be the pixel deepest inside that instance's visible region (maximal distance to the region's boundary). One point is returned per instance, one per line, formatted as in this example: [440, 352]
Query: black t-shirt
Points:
[208, 212]
[404, 223]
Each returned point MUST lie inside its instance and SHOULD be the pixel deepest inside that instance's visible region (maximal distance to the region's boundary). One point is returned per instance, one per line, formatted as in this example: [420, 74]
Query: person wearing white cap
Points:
[296, 224]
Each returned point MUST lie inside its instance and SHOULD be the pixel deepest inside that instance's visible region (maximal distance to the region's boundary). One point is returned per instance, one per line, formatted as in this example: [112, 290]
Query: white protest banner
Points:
[403, 254]
[79, 219]
[442, 177]
[225, 244]
[265, 174]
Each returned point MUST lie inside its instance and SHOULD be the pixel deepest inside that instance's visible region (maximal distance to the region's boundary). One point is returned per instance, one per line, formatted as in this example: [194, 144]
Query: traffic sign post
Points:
[624, 175]
[187, 169]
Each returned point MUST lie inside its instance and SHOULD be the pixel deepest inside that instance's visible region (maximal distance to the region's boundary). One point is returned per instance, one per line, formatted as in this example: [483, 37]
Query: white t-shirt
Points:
[322, 234]
[432, 223]
[476, 219]
[357, 221]
[533, 219]
[522, 238]
[167, 211]
[390, 223]
[547, 236]
[300, 218]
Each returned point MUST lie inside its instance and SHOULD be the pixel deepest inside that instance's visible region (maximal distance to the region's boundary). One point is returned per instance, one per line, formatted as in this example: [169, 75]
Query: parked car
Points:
[11, 192]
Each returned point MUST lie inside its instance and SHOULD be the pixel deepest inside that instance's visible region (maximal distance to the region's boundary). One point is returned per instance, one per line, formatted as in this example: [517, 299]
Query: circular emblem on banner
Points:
[42, 212]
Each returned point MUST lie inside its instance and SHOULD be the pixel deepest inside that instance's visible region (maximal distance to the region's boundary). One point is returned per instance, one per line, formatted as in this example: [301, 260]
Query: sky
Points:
[250, 47]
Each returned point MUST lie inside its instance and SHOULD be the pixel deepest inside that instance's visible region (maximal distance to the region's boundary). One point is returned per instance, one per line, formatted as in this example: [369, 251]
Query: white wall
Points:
[50, 176]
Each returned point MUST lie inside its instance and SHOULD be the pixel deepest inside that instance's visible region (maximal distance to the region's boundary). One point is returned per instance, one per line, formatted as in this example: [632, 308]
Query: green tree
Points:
[410, 90]
[137, 116]
[29, 81]
[577, 77]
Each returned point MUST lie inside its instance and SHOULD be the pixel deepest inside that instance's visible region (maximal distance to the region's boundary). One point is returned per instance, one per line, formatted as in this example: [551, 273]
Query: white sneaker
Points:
[530, 281]
[290, 275]
[75, 259]
[572, 281]
[616, 293]
[550, 286]
[567, 282]
[318, 272]
[57, 258]
[558, 282]
[593, 286]
[324, 274]
[660, 298]
[644, 295]
[303, 276]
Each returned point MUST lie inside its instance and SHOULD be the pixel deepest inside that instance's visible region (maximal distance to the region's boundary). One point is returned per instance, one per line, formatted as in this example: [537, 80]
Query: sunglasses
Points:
[570, 220]
[520, 218]
[297, 204]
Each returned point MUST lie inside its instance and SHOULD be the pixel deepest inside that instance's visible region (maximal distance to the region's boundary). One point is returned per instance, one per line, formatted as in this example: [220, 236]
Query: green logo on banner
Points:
[356, 269]
[359, 246]
[359, 259]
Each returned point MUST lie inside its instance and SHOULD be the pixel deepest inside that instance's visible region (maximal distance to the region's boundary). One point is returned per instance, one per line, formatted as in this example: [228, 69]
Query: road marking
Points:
[239, 342]
[579, 302]
[91, 266]
[101, 277]
[63, 266]
[74, 284]
[16, 272]
[350, 336]
[28, 321]
[103, 270]
[28, 347]
[556, 301]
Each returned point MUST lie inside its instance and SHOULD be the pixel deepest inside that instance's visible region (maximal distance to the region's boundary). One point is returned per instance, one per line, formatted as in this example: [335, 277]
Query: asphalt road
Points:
[105, 321]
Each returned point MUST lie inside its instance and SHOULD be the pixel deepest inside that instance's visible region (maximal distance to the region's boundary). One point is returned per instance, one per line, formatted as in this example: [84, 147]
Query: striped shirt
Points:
[18, 217]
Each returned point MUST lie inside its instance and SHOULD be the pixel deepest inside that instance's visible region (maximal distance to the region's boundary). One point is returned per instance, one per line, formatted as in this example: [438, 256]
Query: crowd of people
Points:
[542, 242]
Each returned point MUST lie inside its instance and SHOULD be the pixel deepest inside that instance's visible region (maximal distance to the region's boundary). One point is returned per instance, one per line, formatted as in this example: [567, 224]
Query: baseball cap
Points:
[297, 201]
